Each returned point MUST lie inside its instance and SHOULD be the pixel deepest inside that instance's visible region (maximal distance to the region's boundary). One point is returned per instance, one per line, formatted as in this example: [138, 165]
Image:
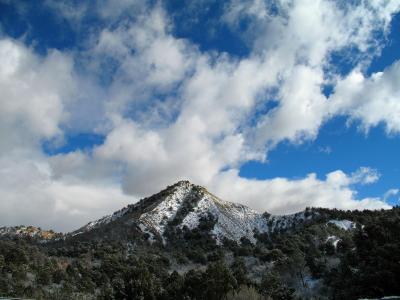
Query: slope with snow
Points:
[333, 239]
[234, 221]
[343, 224]
[284, 222]
[184, 205]
[158, 218]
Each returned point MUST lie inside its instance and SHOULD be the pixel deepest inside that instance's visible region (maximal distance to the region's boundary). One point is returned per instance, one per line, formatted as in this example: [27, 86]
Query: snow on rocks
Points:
[107, 219]
[144, 229]
[29, 231]
[158, 218]
[152, 221]
[343, 224]
[185, 204]
[234, 221]
[102, 221]
[333, 239]
[277, 223]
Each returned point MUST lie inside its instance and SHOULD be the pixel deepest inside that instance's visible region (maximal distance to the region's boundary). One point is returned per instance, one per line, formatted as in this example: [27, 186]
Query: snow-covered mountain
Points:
[233, 221]
[184, 205]
[181, 207]
[186, 228]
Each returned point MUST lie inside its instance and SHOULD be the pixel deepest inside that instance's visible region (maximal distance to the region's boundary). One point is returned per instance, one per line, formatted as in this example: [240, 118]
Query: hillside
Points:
[186, 243]
[183, 206]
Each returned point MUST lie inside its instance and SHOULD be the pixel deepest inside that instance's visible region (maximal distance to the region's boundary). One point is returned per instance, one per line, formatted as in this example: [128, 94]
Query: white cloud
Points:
[365, 175]
[35, 92]
[372, 100]
[301, 111]
[298, 41]
[30, 195]
[282, 196]
[32, 93]
[142, 60]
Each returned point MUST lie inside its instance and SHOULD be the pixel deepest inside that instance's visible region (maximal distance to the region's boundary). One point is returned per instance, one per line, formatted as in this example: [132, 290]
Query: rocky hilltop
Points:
[184, 206]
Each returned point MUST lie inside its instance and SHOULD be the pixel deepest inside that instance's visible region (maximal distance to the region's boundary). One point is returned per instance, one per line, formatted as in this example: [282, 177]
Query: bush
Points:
[244, 293]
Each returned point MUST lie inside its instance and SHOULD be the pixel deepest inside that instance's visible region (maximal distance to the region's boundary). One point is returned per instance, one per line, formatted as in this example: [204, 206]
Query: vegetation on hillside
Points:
[314, 260]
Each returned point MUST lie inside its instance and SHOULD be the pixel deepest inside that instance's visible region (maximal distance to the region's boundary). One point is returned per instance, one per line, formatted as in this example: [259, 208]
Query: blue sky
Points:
[337, 146]
[275, 104]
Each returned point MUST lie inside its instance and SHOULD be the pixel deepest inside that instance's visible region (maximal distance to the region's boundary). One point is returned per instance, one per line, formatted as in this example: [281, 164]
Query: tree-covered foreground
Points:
[317, 260]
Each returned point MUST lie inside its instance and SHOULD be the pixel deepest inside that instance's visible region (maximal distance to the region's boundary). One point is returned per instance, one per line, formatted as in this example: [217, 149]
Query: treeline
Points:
[109, 272]
[314, 261]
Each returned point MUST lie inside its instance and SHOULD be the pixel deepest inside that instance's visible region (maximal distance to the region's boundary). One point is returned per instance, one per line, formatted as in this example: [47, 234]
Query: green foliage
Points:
[272, 286]
[372, 268]
[140, 283]
[240, 271]
[219, 281]
[194, 286]
[173, 287]
[299, 263]
[244, 293]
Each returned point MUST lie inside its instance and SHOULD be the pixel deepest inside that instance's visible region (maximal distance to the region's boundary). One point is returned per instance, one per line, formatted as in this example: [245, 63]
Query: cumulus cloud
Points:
[35, 93]
[371, 100]
[282, 195]
[365, 175]
[31, 195]
[32, 94]
[170, 111]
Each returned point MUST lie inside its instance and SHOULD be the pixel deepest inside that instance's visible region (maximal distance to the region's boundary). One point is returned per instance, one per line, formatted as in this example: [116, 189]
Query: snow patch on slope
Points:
[107, 219]
[102, 221]
[144, 229]
[284, 222]
[158, 218]
[343, 224]
[192, 203]
[333, 239]
[234, 221]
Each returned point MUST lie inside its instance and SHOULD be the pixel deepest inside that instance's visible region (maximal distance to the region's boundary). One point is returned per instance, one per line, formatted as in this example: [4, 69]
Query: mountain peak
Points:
[183, 183]
[184, 206]
[186, 184]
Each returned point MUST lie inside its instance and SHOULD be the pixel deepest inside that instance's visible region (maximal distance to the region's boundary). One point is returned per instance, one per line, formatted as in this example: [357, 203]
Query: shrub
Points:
[244, 293]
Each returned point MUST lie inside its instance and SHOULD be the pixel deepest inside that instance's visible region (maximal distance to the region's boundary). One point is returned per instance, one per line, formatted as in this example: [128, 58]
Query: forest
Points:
[315, 260]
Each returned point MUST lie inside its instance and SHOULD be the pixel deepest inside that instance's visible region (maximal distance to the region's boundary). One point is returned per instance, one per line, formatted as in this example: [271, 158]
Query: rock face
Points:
[184, 205]
[343, 224]
[29, 232]
[189, 203]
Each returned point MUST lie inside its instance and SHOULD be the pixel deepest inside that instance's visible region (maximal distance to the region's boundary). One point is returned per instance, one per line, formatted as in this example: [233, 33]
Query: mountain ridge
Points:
[182, 242]
[183, 204]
